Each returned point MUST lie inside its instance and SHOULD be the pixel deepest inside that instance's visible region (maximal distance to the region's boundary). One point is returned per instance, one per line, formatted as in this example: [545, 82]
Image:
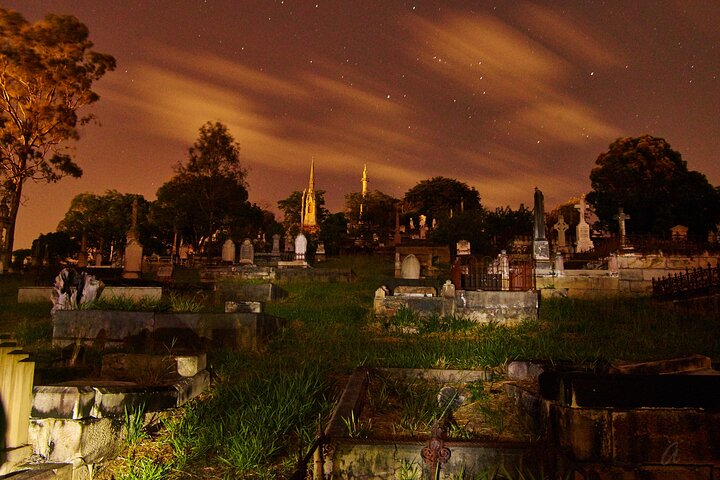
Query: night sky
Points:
[504, 96]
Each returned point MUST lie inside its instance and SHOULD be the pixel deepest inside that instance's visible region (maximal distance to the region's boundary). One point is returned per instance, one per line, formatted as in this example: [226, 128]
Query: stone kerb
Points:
[42, 294]
[102, 328]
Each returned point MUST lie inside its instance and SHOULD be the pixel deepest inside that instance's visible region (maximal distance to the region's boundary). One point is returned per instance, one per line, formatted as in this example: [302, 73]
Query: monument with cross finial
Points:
[582, 230]
[541, 246]
[621, 217]
[133, 248]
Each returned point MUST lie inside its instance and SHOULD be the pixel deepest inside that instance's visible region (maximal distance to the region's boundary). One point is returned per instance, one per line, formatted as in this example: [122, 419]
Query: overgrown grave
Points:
[394, 422]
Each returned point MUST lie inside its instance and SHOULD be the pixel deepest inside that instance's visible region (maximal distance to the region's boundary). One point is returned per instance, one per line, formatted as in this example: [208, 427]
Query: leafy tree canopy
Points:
[46, 74]
[378, 212]
[105, 219]
[208, 193]
[650, 180]
[439, 196]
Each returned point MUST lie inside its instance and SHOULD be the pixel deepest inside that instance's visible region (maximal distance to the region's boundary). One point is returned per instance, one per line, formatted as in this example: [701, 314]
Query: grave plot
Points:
[395, 422]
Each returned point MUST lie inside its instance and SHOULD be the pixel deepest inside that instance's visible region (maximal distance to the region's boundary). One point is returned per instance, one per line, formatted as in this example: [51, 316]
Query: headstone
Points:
[504, 266]
[320, 252]
[133, 259]
[228, 251]
[164, 272]
[414, 291]
[398, 265]
[275, 245]
[133, 249]
[289, 243]
[184, 254]
[410, 268]
[561, 227]
[382, 292]
[559, 265]
[613, 265]
[247, 253]
[300, 247]
[412, 224]
[463, 248]
[678, 233]
[582, 231]
[621, 217]
[541, 246]
[449, 302]
[98, 259]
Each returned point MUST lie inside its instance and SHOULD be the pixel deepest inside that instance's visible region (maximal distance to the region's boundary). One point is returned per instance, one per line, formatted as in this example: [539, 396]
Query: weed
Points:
[134, 424]
[357, 428]
[144, 468]
[186, 303]
[408, 470]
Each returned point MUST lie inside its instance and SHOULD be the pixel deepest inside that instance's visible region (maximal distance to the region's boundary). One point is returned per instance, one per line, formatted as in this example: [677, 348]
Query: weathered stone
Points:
[62, 402]
[64, 440]
[411, 290]
[587, 433]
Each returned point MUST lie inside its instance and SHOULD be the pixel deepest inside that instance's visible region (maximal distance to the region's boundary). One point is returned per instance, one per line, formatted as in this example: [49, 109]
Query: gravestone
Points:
[247, 253]
[228, 251]
[449, 302]
[410, 268]
[133, 259]
[541, 246]
[621, 217]
[275, 245]
[300, 247]
[320, 252]
[582, 230]
[133, 249]
[559, 265]
[289, 243]
[504, 267]
[463, 248]
[678, 233]
[98, 259]
[561, 227]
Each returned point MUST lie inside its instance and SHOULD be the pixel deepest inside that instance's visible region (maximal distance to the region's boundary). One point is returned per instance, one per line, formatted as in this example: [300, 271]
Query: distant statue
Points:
[423, 220]
[539, 215]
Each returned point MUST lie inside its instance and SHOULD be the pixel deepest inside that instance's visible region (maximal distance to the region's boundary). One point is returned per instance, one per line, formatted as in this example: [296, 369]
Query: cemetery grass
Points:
[265, 409]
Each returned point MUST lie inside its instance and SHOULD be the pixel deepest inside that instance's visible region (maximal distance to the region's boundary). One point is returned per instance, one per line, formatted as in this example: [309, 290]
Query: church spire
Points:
[309, 209]
[364, 181]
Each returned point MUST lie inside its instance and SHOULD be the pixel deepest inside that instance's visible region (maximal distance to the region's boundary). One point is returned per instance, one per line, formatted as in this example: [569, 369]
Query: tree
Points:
[55, 246]
[208, 193]
[504, 224]
[104, 220]
[46, 73]
[440, 197]
[333, 233]
[651, 182]
[292, 206]
[378, 213]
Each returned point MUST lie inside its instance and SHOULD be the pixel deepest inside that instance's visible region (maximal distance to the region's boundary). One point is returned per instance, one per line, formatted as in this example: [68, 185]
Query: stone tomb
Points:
[410, 268]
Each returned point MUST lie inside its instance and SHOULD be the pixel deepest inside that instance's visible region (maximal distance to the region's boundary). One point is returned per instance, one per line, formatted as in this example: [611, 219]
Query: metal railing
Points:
[692, 283]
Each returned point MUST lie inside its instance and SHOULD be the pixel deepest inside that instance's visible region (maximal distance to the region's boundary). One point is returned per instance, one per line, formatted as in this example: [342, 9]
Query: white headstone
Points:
[247, 253]
[410, 268]
[300, 247]
[228, 251]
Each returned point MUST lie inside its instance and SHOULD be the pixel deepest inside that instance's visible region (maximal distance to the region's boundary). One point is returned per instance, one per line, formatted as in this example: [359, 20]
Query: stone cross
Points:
[621, 217]
[581, 207]
[561, 227]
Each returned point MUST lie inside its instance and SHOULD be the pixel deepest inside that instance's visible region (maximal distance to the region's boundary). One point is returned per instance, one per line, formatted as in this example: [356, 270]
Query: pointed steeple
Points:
[364, 181]
[309, 209]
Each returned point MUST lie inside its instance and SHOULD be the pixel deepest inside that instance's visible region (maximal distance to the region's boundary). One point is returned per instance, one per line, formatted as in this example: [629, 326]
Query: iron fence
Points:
[692, 283]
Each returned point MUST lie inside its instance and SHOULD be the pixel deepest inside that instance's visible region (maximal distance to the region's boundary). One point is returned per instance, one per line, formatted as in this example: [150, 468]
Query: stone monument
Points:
[463, 248]
[582, 230]
[247, 253]
[133, 249]
[300, 247]
[228, 251]
[541, 246]
[410, 268]
[561, 227]
[275, 245]
[621, 217]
